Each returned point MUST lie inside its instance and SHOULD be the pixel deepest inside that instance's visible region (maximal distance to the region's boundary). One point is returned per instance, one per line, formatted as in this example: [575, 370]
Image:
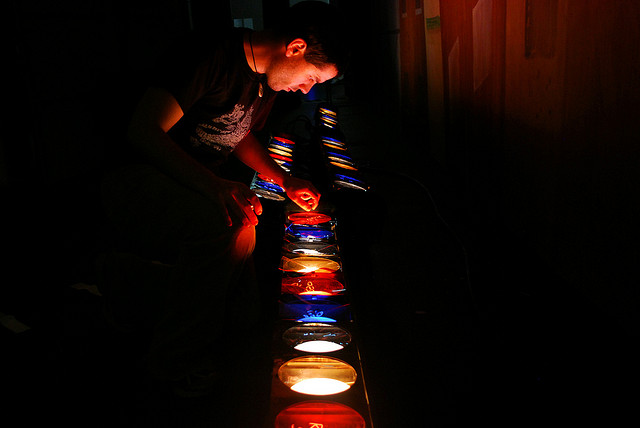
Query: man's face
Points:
[292, 73]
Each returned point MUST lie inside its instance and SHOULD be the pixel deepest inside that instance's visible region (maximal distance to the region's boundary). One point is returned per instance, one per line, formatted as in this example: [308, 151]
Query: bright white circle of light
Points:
[318, 346]
[320, 386]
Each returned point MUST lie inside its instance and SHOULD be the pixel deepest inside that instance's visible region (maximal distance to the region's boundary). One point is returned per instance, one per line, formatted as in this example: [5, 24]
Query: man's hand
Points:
[302, 192]
[239, 202]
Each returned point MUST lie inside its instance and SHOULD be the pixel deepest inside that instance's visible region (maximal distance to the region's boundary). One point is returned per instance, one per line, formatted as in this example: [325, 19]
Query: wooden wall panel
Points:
[544, 142]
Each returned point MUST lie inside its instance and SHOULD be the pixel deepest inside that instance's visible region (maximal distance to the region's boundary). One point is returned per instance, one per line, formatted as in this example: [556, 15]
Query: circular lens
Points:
[317, 337]
[318, 414]
[317, 375]
[309, 218]
[304, 264]
[312, 285]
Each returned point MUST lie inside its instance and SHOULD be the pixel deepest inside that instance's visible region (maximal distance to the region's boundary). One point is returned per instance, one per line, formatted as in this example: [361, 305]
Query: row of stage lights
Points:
[342, 169]
[317, 377]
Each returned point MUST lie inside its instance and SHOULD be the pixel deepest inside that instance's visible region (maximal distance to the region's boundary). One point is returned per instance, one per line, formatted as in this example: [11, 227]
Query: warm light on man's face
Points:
[293, 74]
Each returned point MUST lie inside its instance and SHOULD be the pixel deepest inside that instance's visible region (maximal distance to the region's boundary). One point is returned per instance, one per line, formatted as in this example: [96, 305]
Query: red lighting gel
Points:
[319, 414]
[312, 286]
[284, 140]
[282, 158]
[309, 218]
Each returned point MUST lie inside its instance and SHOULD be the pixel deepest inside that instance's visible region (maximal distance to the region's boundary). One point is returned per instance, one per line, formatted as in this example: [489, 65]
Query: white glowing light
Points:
[318, 346]
[320, 386]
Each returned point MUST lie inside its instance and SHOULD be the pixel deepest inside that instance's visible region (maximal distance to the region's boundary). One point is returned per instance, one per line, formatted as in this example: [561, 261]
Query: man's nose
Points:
[306, 87]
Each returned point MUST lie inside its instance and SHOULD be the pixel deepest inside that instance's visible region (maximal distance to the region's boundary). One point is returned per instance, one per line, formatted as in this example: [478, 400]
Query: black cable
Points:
[440, 218]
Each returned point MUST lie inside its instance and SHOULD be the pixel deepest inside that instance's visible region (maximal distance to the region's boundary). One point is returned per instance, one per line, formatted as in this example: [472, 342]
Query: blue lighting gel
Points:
[268, 186]
[316, 319]
[333, 140]
[308, 232]
[277, 143]
[340, 156]
[349, 179]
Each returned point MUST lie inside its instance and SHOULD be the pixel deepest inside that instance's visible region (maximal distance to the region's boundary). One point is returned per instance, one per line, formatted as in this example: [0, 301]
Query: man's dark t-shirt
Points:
[218, 92]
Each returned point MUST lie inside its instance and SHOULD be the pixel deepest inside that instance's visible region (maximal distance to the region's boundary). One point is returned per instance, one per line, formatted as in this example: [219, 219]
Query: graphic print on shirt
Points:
[223, 133]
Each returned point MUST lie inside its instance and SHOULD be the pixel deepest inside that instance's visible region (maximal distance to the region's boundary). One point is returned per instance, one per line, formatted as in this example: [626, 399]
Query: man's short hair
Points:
[324, 29]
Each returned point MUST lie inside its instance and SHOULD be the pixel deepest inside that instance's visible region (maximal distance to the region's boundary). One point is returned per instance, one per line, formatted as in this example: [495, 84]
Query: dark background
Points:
[495, 260]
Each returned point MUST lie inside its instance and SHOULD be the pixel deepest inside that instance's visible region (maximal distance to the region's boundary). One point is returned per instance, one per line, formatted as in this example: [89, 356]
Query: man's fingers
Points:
[255, 203]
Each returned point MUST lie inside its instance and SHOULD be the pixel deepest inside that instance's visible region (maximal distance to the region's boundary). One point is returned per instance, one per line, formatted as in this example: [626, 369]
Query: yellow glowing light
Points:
[279, 151]
[343, 165]
[327, 111]
[317, 375]
[340, 160]
[317, 338]
[309, 264]
[318, 346]
[333, 141]
[320, 386]
[335, 146]
[316, 293]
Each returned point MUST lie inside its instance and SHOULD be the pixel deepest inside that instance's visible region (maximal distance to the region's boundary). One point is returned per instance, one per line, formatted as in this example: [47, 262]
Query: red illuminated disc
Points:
[284, 140]
[309, 218]
[319, 414]
[280, 157]
[312, 286]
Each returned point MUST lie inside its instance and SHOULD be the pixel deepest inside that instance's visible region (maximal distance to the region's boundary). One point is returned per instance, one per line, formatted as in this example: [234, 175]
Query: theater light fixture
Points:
[319, 414]
[311, 248]
[301, 232]
[308, 218]
[307, 264]
[317, 375]
[318, 285]
[316, 338]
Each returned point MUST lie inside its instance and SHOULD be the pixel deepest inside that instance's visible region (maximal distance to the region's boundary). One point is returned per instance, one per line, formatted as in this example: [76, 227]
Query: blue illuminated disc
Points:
[268, 186]
[308, 232]
[316, 319]
[281, 144]
[283, 164]
[349, 179]
[332, 140]
[340, 156]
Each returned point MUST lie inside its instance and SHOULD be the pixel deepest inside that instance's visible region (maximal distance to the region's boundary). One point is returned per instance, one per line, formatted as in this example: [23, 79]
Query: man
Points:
[183, 233]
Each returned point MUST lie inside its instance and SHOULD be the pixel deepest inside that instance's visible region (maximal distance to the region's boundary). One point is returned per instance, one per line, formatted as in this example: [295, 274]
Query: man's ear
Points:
[296, 47]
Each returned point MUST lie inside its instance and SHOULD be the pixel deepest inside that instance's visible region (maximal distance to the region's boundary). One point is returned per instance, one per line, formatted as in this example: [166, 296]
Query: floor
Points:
[454, 327]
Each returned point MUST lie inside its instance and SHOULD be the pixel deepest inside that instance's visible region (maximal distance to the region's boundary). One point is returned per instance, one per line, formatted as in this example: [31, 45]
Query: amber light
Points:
[333, 141]
[323, 110]
[317, 375]
[335, 146]
[306, 264]
[280, 151]
[317, 414]
[343, 165]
